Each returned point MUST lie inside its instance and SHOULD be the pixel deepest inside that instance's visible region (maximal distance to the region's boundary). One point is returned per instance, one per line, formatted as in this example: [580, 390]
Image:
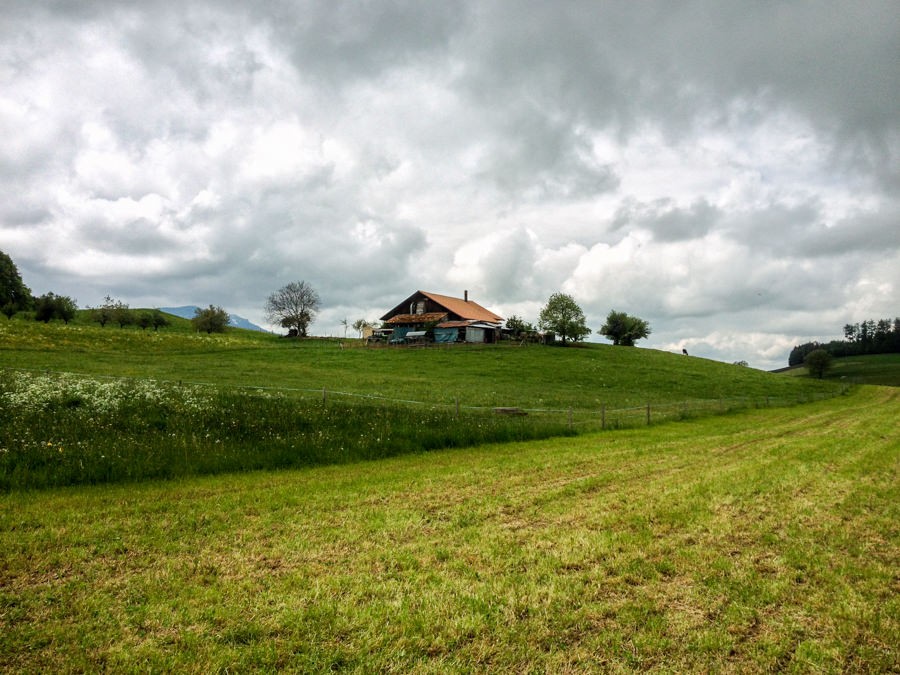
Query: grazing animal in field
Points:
[684, 351]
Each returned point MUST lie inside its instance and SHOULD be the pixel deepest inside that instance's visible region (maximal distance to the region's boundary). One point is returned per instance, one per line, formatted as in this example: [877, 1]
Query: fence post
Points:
[324, 396]
[648, 414]
[603, 416]
[457, 407]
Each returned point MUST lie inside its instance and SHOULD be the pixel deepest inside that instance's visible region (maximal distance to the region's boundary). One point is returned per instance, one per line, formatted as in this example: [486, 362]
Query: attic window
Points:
[420, 307]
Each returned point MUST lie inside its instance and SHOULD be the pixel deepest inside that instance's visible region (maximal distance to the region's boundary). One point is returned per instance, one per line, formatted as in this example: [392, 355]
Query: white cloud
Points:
[726, 170]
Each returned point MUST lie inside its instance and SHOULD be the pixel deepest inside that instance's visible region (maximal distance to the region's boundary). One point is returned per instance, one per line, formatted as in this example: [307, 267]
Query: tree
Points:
[112, 310]
[159, 320]
[293, 306]
[623, 329]
[122, 314]
[211, 320]
[12, 291]
[360, 325]
[144, 320]
[563, 316]
[103, 313]
[51, 306]
[517, 325]
[817, 362]
[66, 308]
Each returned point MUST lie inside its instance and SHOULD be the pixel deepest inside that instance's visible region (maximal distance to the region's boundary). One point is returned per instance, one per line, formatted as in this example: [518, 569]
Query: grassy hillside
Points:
[582, 378]
[880, 369]
[765, 541]
[284, 403]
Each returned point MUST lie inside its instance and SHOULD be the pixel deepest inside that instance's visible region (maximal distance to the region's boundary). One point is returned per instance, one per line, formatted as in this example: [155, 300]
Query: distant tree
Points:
[741, 363]
[12, 290]
[798, 353]
[159, 320]
[102, 314]
[51, 306]
[293, 306]
[122, 314]
[818, 362]
[9, 309]
[517, 326]
[144, 320]
[563, 316]
[210, 320]
[112, 310]
[360, 325]
[623, 329]
[44, 307]
[66, 308]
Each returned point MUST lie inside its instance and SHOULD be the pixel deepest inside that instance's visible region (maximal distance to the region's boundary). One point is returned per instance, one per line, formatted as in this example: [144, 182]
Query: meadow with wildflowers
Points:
[66, 430]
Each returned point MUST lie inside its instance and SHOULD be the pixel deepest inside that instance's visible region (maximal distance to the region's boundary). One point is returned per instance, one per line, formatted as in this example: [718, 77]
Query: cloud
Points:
[722, 169]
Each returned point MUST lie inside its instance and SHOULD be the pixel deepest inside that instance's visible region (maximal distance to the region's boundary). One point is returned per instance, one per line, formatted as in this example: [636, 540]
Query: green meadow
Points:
[397, 523]
[760, 541]
[95, 405]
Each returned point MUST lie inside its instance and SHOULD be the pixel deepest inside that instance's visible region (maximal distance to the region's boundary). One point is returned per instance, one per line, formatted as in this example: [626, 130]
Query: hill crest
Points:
[188, 311]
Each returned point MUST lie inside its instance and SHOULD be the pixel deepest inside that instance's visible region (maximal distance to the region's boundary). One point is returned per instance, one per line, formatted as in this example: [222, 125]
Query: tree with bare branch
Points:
[293, 306]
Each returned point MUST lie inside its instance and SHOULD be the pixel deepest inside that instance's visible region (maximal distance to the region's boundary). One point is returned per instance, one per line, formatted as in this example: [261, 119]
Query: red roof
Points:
[466, 310]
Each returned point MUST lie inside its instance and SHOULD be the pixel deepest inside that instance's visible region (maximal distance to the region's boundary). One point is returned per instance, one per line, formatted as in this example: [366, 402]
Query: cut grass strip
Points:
[764, 540]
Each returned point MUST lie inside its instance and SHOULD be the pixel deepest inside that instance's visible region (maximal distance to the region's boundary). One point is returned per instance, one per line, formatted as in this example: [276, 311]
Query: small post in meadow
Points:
[324, 396]
[570, 419]
[603, 416]
[648, 414]
[457, 407]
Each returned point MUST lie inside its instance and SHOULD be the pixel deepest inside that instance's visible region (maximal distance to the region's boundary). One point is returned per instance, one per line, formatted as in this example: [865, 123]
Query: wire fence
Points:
[579, 420]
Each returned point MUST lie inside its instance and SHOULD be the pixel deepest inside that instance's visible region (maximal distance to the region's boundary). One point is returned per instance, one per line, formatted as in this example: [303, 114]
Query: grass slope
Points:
[880, 369]
[762, 541]
[582, 378]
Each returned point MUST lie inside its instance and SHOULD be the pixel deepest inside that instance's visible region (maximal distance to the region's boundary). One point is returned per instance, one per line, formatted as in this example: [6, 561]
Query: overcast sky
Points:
[729, 171]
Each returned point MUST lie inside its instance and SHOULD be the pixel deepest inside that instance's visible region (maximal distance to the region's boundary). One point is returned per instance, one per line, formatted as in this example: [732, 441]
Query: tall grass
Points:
[65, 430]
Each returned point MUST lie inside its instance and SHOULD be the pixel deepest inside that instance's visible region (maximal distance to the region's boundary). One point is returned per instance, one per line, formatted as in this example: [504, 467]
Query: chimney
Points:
[466, 296]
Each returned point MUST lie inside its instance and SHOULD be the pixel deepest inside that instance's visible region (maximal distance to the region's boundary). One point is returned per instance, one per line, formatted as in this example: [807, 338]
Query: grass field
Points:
[270, 403]
[583, 378]
[764, 540]
[880, 369]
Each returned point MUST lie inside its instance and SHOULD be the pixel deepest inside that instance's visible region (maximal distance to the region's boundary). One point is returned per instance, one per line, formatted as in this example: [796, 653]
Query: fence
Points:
[579, 420]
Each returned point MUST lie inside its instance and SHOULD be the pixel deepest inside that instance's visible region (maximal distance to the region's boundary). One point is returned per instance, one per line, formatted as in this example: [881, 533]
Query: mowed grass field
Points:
[764, 540]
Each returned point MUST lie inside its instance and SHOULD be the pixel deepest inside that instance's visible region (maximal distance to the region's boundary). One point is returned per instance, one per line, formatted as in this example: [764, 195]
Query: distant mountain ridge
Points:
[188, 311]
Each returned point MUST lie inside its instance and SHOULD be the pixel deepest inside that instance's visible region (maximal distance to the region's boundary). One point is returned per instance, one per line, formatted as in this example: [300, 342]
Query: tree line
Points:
[880, 336]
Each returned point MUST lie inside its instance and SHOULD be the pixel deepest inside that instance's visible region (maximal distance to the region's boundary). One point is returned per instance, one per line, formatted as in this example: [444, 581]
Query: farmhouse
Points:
[451, 319]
